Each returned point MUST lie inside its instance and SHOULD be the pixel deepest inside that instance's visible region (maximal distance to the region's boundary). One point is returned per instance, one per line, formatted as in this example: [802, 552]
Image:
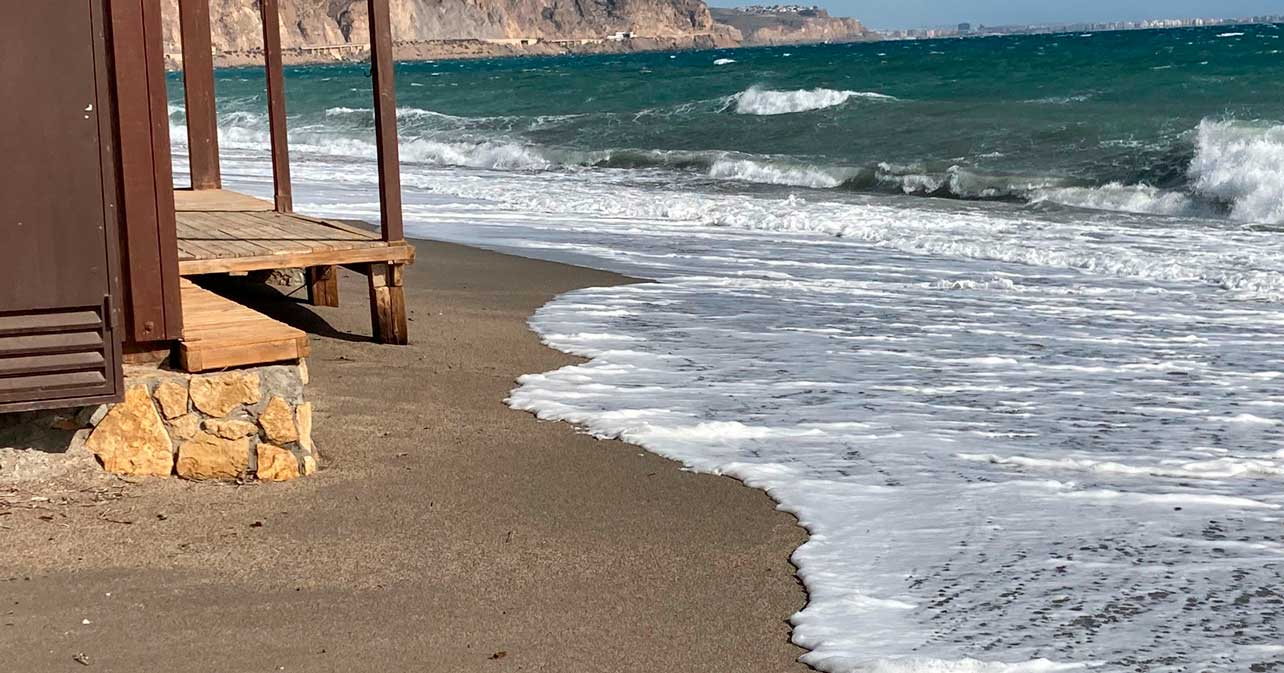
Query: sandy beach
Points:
[446, 532]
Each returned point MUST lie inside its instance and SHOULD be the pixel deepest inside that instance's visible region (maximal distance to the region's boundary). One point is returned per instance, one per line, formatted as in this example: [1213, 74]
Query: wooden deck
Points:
[221, 231]
[220, 333]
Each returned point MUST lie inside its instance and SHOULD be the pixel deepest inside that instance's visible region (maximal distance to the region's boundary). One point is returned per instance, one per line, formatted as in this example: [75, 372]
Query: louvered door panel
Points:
[58, 229]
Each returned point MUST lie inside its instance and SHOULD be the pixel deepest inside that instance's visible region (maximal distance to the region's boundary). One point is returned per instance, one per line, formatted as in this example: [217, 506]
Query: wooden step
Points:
[219, 333]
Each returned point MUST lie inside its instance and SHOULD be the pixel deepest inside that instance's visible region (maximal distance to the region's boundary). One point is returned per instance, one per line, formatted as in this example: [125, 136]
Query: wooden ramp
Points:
[220, 333]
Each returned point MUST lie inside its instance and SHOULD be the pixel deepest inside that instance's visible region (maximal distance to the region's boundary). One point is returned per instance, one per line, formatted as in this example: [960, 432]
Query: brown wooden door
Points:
[58, 230]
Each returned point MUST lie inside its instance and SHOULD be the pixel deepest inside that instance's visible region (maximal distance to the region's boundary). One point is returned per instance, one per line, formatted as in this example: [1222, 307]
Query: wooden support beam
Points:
[198, 91]
[271, 16]
[149, 259]
[383, 77]
[388, 304]
[323, 285]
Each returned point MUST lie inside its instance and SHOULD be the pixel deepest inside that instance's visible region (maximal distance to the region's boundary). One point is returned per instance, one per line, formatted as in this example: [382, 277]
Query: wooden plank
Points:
[253, 232]
[219, 333]
[383, 77]
[358, 232]
[271, 15]
[198, 91]
[314, 229]
[223, 238]
[186, 200]
[294, 232]
[399, 253]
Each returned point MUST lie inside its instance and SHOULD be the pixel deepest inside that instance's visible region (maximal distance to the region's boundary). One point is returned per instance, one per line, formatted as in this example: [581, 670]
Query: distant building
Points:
[965, 28]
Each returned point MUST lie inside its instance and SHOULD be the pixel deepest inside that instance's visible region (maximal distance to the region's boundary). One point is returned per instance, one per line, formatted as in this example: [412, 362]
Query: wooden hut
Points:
[98, 247]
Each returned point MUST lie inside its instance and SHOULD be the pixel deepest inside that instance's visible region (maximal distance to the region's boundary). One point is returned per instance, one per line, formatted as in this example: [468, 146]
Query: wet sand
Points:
[445, 532]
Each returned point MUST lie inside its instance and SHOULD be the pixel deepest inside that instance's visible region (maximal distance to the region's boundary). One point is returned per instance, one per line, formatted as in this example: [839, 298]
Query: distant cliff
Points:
[318, 30]
[792, 25]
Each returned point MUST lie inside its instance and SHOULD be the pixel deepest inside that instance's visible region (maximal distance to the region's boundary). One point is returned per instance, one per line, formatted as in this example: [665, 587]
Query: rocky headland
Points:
[790, 24]
[319, 31]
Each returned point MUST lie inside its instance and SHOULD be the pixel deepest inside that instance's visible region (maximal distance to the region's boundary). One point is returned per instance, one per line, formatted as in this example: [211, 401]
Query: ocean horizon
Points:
[998, 319]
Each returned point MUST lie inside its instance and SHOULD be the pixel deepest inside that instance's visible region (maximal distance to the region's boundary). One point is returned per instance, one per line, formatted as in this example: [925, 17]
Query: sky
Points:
[887, 14]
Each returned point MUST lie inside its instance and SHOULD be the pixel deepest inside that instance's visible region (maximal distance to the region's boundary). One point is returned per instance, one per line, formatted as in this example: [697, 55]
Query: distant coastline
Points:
[472, 48]
[319, 32]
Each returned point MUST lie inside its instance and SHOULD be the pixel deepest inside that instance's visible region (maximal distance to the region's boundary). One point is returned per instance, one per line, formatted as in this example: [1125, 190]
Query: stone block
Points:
[277, 421]
[284, 382]
[218, 394]
[206, 456]
[92, 416]
[229, 428]
[276, 463]
[184, 427]
[131, 438]
[303, 419]
[172, 396]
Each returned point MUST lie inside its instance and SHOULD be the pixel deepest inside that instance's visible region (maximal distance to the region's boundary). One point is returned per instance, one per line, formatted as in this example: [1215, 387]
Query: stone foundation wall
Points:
[232, 425]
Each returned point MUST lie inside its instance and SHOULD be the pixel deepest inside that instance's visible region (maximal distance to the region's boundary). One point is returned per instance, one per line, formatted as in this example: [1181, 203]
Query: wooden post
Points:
[149, 246]
[385, 106]
[323, 285]
[271, 16]
[388, 304]
[198, 91]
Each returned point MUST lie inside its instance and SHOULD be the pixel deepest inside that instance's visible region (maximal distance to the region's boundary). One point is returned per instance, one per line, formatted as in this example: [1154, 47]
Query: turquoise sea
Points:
[999, 319]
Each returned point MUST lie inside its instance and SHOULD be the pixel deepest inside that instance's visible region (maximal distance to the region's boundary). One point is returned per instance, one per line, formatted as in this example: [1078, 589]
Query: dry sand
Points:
[446, 532]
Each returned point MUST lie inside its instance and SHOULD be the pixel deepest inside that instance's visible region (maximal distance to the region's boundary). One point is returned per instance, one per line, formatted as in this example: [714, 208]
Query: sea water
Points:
[998, 319]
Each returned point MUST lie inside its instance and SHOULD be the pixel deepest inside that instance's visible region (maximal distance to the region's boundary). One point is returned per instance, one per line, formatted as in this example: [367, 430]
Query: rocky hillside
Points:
[309, 24]
[791, 27]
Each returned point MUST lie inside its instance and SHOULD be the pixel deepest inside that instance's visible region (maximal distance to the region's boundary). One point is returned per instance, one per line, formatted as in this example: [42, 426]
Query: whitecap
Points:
[758, 101]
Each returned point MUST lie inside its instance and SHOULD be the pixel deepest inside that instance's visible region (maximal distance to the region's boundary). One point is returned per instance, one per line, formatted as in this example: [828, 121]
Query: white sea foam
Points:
[1118, 197]
[1241, 164]
[724, 61]
[758, 101]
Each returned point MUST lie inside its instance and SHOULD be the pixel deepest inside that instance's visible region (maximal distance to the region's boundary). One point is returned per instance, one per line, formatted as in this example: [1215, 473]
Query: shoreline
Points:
[446, 531]
[476, 49]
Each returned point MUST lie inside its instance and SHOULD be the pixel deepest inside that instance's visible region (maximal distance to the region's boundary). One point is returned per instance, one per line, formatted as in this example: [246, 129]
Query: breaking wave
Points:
[1242, 166]
[1142, 199]
[757, 101]
[747, 170]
